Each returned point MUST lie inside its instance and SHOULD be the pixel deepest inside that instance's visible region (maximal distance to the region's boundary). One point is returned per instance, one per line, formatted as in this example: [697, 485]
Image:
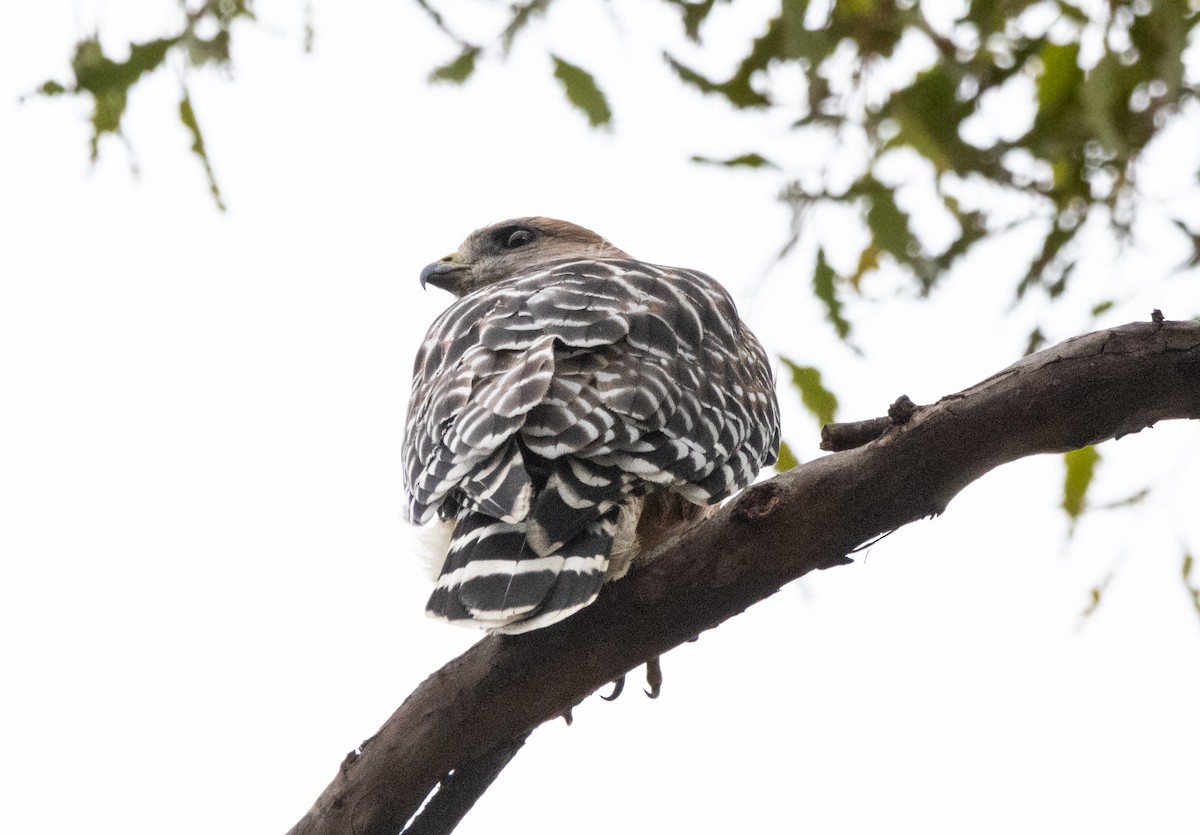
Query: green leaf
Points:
[1080, 470]
[214, 50]
[1060, 78]
[887, 222]
[1055, 257]
[1096, 593]
[51, 88]
[310, 29]
[693, 15]
[972, 229]
[736, 94]
[187, 115]
[1129, 501]
[1160, 36]
[108, 106]
[825, 289]
[820, 401]
[458, 70]
[868, 260]
[751, 160]
[1193, 238]
[1105, 97]
[95, 72]
[226, 10]
[1193, 588]
[108, 81]
[582, 92]
[874, 27]
[891, 233]
[522, 15]
[1072, 13]
[1036, 340]
[1102, 308]
[929, 116]
[786, 459]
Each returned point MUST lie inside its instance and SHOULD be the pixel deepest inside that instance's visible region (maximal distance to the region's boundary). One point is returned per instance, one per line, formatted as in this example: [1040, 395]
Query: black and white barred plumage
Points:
[566, 391]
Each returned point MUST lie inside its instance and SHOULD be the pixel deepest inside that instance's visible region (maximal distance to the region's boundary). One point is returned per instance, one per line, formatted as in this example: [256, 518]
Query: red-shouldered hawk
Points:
[573, 407]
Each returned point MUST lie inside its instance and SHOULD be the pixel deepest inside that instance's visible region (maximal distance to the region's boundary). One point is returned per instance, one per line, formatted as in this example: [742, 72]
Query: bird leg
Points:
[654, 679]
[662, 516]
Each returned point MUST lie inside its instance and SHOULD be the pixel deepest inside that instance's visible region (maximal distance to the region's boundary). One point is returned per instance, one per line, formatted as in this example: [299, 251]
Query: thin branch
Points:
[838, 437]
[1083, 391]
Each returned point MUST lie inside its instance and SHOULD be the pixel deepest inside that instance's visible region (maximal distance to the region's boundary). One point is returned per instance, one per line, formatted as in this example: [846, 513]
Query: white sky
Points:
[207, 597]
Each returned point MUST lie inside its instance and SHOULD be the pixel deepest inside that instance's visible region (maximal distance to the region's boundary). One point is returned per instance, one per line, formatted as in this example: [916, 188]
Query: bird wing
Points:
[541, 402]
[624, 371]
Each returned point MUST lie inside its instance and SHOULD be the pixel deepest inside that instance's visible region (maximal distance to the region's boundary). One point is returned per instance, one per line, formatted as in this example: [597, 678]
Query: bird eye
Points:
[518, 238]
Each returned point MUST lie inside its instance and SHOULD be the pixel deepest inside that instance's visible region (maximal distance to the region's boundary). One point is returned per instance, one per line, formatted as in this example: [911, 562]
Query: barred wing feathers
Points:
[541, 403]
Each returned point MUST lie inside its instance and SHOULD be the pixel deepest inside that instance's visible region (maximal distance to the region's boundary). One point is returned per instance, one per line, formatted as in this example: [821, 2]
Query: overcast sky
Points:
[207, 594]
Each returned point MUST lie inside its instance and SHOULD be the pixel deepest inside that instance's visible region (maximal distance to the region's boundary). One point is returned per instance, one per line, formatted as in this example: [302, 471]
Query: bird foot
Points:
[654, 679]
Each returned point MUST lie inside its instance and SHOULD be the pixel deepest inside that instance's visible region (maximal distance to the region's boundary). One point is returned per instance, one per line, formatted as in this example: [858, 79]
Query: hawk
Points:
[572, 407]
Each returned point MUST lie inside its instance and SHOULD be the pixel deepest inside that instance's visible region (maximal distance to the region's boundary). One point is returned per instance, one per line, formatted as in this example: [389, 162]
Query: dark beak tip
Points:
[438, 272]
[427, 273]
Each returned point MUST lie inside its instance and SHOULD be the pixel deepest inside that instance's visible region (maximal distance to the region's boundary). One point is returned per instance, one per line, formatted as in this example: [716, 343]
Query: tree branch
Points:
[459, 790]
[1085, 390]
[838, 437]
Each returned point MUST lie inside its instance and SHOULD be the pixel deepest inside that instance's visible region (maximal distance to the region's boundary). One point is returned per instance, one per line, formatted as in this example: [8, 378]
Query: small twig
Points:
[838, 437]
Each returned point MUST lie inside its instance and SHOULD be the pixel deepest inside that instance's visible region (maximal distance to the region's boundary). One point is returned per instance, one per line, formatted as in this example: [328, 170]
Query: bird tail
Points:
[481, 581]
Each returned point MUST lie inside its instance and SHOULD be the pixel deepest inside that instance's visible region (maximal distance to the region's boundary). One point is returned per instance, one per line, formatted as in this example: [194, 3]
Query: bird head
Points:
[513, 247]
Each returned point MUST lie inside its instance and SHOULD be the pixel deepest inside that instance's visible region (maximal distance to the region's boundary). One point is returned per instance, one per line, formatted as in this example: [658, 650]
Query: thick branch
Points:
[1088, 389]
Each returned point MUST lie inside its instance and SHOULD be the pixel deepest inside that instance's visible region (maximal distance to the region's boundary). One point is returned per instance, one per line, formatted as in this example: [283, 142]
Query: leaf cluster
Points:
[1095, 111]
[578, 84]
[202, 39]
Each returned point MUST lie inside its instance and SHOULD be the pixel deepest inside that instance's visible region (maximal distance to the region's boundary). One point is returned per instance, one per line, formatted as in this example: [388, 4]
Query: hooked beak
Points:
[443, 273]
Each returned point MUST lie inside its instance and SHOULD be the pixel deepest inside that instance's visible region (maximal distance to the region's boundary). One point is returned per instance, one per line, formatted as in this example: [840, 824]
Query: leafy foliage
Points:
[108, 81]
[1076, 159]
[1103, 81]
